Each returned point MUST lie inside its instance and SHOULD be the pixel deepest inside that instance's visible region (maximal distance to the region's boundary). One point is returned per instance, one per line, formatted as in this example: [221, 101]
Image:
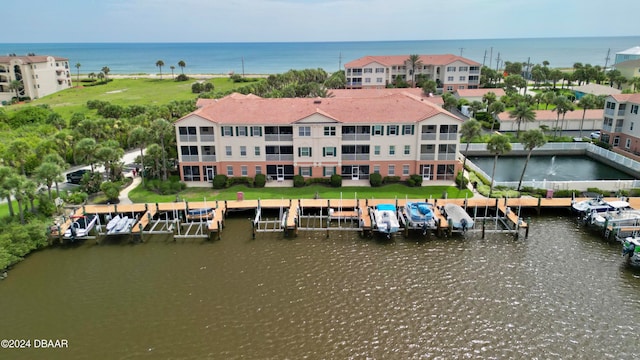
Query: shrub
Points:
[336, 180]
[391, 179]
[182, 77]
[375, 179]
[197, 88]
[91, 182]
[77, 197]
[416, 179]
[111, 190]
[323, 181]
[298, 181]
[219, 181]
[239, 180]
[260, 180]
[461, 181]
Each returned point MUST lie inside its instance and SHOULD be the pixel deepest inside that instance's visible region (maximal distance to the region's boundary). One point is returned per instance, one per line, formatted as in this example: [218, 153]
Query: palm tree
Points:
[78, 72]
[6, 173]
[414, 62]
[161, 129]
[17, 184]
[84, 151]
[47, 174]
[530, 140]
[563, 105]
[475, 106]
[160, 64]
[494, 109]
[469, 130]
[522, 113]
[18, 154]
[498, 145]
[172, 68]
[139, 138]
[588, 101]
[450, 101]
[15, 85]
[489, 98]
[105, 70]
[182, 64]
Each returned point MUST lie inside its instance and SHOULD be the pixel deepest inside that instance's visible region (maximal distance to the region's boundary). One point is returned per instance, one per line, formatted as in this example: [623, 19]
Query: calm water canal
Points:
[562, 293]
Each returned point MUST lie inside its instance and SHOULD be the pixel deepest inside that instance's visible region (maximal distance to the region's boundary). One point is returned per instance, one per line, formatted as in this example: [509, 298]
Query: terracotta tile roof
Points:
[30, 59]
[480, 92]
[597, 89]
[390, 60]
[369, 93]
[632, 98]
[552, 115]
[395, 108]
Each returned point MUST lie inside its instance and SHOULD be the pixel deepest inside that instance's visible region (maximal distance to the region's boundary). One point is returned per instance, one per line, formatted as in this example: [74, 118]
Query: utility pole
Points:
[243, 66]
[606, 60]
[498, 61]
[485, 57]
[340, 61]
[491, 57]
[461, 50]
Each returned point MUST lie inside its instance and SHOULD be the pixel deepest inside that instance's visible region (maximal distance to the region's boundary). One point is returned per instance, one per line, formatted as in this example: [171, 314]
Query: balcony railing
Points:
[606, 128]
[355, 156]
[474, 82]
[428, 136]
[349, 137]
[618, 129]
[446, 156]
[208, 158]
[621, 112]
[474, 71]
[188, 138]
[279, 157]
[608, 111]
[190, 158]
[355, 83]
[278, 137]
[449, 136]
[207, 138]
[428, 156]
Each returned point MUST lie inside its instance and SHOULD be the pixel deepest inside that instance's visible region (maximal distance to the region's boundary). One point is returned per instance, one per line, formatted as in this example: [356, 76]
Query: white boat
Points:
[630, 217]
[81, 226]
[457, 217]
[420, 215]
[385, 219]
[598, 205]
[122, 226]
[113, 222]
[631, 250]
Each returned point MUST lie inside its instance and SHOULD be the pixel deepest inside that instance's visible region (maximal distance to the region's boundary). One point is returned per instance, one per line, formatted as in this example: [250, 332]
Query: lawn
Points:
[125, 92]
[139, 195]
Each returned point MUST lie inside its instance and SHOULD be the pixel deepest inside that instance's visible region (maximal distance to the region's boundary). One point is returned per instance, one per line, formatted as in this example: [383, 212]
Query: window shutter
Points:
[413, 129]
[388, 127]
[335, 152]
[334, 170]
[299, 151]
[324, 152]
[299, 171]
[324, 171]
[310, 150]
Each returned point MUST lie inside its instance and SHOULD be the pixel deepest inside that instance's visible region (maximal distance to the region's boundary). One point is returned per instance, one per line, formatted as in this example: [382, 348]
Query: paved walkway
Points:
[124, 194]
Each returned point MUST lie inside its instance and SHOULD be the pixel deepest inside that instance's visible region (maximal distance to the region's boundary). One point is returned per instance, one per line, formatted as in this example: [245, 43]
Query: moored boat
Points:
[598, 205]
[81, 226]
[458, 217]
[419, 215]
[200, 214]
[386, 219]
[631, 250]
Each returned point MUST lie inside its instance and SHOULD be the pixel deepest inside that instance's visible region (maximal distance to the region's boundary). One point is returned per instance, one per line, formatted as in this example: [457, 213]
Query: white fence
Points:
[558, 149]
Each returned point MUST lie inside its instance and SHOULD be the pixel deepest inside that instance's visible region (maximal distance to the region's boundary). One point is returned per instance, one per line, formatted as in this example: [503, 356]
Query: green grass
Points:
[140, 195]
[125, 92]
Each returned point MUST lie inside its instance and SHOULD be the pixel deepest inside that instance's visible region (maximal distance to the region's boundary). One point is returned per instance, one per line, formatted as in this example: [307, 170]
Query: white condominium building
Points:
[39, 76]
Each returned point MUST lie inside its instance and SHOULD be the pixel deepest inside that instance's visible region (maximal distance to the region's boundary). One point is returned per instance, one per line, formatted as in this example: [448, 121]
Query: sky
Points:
[46, 21]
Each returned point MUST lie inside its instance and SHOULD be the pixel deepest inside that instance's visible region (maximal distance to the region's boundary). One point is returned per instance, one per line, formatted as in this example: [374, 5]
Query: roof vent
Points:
[317, 101]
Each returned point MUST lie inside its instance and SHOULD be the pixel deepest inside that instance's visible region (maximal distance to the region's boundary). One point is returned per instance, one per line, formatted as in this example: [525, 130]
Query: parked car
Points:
[595, 135]
[76, 176]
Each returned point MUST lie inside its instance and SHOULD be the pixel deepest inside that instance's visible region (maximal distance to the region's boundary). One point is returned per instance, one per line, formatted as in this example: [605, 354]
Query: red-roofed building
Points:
[621, 126]
[450, 72]
[39, 76]
[398, 134]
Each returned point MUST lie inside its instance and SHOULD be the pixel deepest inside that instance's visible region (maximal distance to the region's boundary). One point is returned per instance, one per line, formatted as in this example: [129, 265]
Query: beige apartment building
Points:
[394, 134]
[450, 72]
[621, 126]
[39, 75]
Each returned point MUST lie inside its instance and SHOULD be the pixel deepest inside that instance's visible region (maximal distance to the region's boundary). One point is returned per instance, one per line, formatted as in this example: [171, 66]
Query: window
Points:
[256, 151]
[191, 173]
[631, 126]
[304, 131]
[368, 70]
[451, 68]
[305, 171]
[462, 87]
[227, 150]
[329, 151]
[449, 88]
[407, 129]
[229, 170]
[376, 150]
[367, 80]
[256, 131]
[378, 130]
[463, 68]
[329, 131]
[449, 78]
[379, 80]
[304, 151]
[243, 170]
[227, 131]
[392, 130]
[634, 109]
[407, 149]
[627, 143]
[379, 70]
[241, 130]
[392, 170]
[243, 151]
[392, 149]
[405, 170]
[610, 105]
[258, 169]
[376, 169]
[463, 78]
[328, 170]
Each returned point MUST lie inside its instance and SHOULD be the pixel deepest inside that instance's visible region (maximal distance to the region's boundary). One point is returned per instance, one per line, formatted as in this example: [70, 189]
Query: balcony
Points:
[279, 157]
[427, 156]
[474, 71]
[446, 156]
[608, 111]
[188, 138]
[207, 138]
[352, 137]
[449, 136]
[355, 156]
[207, 158]
[428, 136]
[278, 137]
[621, 112]
[190, 158]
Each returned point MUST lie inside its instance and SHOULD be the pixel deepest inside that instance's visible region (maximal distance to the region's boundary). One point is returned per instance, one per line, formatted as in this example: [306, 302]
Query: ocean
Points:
[273, 58]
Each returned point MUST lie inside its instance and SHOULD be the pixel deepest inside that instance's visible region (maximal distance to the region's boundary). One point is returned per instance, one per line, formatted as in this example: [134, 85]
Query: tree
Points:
[635, 83]
[429, 87]
[498, 145]
[182, 64]
[548, 97]
[17, 185]
[139, 138]
[160, 64]
[522, 113]
[172, 68]
[530, 140]
[78, 72]
[489, 98]
[16, 85]
[84, 152]
[109, 154]
[475, 106]
[450, 101]
[494, 109]
[414, 62]
[6, 173]
[469, 130]
[563, 105]
[161, 130]
[105, 71]
[47, 174]
[586, 102]
[514, 82]
[18, 153]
